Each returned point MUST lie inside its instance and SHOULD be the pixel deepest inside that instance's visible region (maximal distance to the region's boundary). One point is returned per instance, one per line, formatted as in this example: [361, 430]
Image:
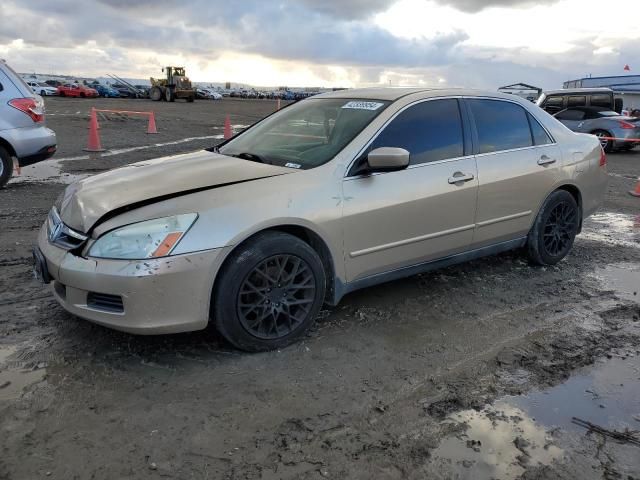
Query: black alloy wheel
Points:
[276, 297]
[268, 292]
[554, 229]
[559, 229]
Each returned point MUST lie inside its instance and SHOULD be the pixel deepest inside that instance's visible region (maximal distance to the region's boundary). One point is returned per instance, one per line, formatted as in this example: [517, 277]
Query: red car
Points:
[75, 90]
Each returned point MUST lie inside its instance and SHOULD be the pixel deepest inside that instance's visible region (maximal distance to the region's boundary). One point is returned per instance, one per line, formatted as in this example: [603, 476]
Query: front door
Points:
[403, 218]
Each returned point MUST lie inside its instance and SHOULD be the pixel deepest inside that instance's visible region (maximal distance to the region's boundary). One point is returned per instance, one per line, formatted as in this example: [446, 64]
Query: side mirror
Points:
[388, 159]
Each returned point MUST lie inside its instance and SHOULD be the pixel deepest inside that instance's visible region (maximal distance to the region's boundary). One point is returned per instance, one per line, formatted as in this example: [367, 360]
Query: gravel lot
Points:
[473, 371]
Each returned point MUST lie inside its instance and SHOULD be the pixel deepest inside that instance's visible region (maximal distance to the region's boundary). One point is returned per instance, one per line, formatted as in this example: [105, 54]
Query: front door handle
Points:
[544, 160]
[460, 177]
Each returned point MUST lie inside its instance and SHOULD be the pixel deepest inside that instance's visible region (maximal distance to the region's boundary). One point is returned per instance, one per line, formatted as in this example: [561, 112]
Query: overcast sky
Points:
[474, 43]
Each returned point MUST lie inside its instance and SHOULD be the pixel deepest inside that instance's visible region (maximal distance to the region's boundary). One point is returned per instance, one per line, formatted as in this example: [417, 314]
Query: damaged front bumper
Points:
[153, 296]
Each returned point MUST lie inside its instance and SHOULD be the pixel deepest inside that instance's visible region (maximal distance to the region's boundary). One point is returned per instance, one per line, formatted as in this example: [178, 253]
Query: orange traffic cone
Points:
[228, 132]
[636, 191]
[93, 145]
[152, 124]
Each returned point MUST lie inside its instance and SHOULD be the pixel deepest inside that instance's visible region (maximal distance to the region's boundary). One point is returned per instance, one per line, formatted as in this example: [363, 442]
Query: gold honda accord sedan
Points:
[328, 195]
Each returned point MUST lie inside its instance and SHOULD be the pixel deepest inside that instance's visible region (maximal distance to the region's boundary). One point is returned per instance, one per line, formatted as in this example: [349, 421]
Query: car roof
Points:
[395, 93]
[570, 91]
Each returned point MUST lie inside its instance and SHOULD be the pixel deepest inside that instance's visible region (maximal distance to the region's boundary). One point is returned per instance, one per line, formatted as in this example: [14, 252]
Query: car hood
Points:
[102, 196]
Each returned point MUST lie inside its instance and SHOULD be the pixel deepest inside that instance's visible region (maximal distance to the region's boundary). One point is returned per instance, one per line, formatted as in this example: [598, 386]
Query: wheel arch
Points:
[307, 235]
[7, 146]
[575, 193]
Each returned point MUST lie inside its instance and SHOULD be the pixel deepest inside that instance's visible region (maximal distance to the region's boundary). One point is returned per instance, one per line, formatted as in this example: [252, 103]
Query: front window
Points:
[306, 134]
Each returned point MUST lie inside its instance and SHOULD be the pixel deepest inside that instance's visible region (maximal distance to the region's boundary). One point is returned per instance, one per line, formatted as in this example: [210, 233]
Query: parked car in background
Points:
[556, 100]
[143, 90]
[123, 90]
[203, 93]
[605, 124]
[53, 83]
[42, 88]
[347, 190]
[213, 94]
[105, 91]
[76, 90]
[23, 133]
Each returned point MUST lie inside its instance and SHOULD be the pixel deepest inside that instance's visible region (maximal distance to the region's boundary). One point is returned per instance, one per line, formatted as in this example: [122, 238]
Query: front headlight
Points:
[150, 239]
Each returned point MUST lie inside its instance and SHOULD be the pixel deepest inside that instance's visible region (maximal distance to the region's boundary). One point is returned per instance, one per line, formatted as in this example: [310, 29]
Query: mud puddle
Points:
[613, 228]
[14, 376]
[504, 439]
[623, 279]
[48, 170]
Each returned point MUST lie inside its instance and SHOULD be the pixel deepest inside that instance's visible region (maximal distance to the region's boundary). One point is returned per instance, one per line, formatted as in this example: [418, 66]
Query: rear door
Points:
[397, 219]
[518, 165]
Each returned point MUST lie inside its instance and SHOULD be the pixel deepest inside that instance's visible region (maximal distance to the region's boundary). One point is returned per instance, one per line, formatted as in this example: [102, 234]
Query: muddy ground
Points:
[473, 371]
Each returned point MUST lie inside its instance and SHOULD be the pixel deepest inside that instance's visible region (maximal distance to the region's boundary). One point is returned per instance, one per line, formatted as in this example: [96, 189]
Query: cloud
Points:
[348, 9]
[333, 43]
[477, 5]
[287, 30]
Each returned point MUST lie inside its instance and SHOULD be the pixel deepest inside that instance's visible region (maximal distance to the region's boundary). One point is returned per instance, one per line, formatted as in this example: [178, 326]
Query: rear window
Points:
[577, 101]
[554, 101]
[539, 134]
[500, 125]
[601, 100]
[17, 79]
[571, 115]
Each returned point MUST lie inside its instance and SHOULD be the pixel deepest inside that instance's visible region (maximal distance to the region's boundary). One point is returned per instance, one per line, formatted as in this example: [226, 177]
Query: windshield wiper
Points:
[251, 157]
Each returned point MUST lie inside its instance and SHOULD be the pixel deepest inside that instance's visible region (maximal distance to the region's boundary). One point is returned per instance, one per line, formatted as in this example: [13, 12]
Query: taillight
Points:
[31, 106]
[626, 125]
[603, 157]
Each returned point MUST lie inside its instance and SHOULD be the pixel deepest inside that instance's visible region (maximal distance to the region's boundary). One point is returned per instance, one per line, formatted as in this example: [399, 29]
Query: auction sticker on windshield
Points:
[363, 105]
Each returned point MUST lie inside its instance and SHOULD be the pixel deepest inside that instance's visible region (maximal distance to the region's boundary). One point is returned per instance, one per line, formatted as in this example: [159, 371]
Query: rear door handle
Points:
[544, 160]
[460, 177]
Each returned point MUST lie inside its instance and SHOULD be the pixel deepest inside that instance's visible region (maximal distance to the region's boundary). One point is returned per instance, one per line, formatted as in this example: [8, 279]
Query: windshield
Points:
[306, 134]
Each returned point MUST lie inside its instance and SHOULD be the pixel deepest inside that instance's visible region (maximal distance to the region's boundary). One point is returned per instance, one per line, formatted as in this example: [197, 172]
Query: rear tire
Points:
[554, 229]
[6, 167]
[269, 292]
[607, 145]
[191, 99]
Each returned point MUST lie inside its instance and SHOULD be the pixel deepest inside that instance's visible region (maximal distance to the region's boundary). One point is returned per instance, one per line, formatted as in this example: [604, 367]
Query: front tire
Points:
[269, 292]
[155, 94]
[6, 167]
[554, 229]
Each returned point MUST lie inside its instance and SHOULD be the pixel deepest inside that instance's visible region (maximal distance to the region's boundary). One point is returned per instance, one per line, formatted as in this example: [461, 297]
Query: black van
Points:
[555, 100]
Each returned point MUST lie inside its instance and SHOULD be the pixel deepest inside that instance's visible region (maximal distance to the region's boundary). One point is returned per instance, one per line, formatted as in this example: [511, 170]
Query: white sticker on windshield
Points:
[363, 105]
[292, 165]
